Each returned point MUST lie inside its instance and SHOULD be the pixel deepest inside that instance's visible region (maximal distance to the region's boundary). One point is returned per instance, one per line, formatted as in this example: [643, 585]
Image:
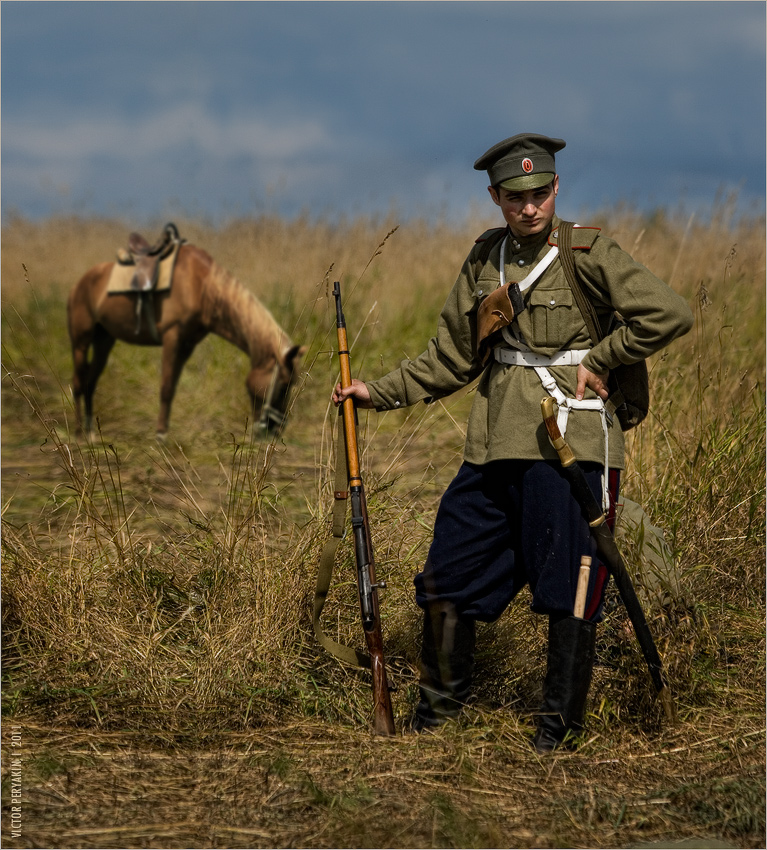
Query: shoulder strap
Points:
[567, 258]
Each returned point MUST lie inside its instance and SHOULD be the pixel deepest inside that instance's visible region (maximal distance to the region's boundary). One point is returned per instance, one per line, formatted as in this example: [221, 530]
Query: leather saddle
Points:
[146, 258]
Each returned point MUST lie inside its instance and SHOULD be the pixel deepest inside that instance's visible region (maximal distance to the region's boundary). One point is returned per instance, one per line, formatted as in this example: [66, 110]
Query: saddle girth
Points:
[146, 259]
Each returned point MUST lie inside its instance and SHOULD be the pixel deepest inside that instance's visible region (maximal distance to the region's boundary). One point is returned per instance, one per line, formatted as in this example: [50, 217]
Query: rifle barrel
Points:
[383, 716]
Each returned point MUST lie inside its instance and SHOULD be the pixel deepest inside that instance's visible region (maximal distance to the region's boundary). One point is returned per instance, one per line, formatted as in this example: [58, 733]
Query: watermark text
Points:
[15, 754]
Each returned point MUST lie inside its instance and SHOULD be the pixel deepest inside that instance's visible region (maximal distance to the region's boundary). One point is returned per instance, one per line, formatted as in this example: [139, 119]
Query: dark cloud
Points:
[335, 107]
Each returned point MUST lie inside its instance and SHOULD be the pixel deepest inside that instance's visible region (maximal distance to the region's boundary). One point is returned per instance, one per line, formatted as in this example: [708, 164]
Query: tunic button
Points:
[552, 301]
[516, 244]
[480, 292]
[520, 262]
[397, 403]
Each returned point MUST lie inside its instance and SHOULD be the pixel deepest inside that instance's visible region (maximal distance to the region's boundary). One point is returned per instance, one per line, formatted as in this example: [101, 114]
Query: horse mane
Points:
[235, 313]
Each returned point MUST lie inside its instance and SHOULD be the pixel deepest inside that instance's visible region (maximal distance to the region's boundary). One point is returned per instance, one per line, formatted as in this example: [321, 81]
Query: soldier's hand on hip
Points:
[592, 380]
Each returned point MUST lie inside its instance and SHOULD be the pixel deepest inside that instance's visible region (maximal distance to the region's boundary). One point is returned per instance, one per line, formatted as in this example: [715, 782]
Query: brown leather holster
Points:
[494, 314]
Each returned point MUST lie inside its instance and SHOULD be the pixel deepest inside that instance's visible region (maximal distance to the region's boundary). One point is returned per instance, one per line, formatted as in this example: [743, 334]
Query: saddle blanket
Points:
[121, 279]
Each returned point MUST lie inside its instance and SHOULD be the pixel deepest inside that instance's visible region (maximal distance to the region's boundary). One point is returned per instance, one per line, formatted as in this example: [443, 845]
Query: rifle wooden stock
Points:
[608, 553]
[383, 716]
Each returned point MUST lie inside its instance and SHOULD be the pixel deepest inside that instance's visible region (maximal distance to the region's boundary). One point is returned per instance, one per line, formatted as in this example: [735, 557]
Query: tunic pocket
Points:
[551, 313]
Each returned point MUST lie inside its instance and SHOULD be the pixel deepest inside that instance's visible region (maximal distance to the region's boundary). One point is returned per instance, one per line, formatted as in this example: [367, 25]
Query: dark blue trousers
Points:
[506, 524]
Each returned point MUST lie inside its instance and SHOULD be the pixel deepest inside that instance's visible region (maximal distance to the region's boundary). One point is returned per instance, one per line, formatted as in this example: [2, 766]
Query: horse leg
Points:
[102, 345]
[79, 377]
[176, 350]
[86, 373]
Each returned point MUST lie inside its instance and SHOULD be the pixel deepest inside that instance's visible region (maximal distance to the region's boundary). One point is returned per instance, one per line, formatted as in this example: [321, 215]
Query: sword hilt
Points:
[549, 411]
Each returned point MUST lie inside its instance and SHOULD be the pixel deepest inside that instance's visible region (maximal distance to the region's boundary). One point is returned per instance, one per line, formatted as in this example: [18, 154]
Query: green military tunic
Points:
[505, 420]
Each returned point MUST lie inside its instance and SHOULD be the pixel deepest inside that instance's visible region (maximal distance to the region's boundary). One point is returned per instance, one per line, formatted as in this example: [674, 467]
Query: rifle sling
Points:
[327, 559]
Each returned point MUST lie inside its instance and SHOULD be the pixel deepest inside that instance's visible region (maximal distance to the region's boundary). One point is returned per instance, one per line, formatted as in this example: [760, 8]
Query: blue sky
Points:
[152, 109]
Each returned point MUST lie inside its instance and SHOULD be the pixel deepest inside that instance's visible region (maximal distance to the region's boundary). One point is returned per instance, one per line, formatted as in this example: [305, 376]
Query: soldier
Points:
[508, 518]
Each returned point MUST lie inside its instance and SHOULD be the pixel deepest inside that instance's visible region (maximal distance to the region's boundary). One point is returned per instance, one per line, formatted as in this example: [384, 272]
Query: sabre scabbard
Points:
[608, 553]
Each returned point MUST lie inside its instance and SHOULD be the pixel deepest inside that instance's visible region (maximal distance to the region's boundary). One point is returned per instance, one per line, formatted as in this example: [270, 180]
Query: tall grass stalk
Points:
[169, 587]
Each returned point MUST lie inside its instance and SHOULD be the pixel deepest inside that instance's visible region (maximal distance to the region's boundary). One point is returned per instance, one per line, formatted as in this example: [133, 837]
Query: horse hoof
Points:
[161, 437]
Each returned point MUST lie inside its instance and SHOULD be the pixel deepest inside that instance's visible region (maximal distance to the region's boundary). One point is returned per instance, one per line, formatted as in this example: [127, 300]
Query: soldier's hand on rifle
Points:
[357, 390]
[592, 380]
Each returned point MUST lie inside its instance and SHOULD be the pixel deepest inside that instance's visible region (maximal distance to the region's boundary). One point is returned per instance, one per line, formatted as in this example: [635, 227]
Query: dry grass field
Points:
[162, 685]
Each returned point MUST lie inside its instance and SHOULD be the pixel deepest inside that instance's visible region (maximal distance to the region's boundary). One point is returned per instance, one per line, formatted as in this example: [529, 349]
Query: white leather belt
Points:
[514, 357]
[571, 357]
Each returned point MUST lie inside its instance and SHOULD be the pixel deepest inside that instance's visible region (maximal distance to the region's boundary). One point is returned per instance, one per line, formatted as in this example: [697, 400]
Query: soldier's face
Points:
[527, 212]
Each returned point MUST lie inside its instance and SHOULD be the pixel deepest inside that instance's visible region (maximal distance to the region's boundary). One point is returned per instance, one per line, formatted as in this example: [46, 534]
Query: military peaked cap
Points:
[524, 161]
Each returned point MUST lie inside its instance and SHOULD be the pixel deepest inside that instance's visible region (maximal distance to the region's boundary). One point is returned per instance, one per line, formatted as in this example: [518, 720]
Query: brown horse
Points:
[203, 298]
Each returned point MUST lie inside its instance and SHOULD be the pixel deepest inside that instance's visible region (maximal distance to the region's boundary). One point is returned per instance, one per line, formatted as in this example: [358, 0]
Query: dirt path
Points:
[315, 785]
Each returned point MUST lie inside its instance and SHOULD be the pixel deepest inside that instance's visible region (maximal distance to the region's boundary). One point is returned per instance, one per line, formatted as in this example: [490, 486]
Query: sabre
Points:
[608, 553]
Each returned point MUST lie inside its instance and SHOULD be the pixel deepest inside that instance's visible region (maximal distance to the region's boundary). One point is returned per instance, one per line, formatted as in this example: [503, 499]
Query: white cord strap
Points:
[564, 406]
[534, 274]
[520, 355]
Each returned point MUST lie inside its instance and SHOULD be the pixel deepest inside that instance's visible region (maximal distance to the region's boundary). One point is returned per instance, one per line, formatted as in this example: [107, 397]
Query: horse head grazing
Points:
[183, 296]
[270, 390]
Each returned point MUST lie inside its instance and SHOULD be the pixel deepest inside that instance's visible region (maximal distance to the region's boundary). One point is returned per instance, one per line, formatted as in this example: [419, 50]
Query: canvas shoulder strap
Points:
[586, 306]
[567, 258]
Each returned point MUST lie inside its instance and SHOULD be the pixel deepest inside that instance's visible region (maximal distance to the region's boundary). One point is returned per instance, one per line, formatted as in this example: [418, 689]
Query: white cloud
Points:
[179, 127]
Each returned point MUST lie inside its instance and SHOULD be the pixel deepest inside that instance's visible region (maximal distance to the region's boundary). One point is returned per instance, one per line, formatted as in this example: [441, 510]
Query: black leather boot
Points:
[571, 654]
[447, 663]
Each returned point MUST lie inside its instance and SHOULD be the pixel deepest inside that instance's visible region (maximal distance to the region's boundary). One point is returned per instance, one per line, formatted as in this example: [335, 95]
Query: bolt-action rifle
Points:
[608, 553]
[363, 550]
